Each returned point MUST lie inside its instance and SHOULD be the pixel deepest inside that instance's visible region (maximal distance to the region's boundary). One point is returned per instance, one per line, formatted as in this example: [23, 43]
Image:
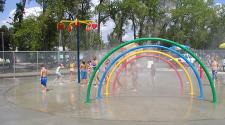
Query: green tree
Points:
[199, 23]
[48, 31]
[112, 10]
[100, 19]
[27, 37]
[18, 17]
[70, 9]
[217, 31]
[191, 23]
[7, 36]
[136, 11]
[2, 4]
[30, 35]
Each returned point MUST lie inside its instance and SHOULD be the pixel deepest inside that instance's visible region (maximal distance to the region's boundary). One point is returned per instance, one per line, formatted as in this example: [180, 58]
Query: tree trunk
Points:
[134, 26]
[44, 5]
[140, 34]
[99, 23]
[120, 34]
[99, 19]
[23, 3]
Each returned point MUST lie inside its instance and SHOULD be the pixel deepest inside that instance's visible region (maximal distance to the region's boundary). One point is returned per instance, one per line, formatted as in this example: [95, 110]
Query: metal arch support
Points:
[155, 46]
[149, 55]
[136, 53]
[151, 39]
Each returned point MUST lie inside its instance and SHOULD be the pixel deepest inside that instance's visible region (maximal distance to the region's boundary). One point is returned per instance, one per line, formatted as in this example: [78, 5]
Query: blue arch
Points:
[151, 46]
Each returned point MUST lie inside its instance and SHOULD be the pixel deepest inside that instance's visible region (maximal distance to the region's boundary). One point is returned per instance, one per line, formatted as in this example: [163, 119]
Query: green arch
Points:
[148, 39]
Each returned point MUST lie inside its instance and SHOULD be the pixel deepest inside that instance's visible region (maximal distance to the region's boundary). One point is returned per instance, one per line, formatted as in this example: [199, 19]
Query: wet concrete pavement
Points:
[160, 103]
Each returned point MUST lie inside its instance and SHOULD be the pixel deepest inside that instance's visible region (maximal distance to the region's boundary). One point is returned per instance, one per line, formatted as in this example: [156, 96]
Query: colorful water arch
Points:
[140, 52]
[151, 39]
[147, 55]
[151, 46]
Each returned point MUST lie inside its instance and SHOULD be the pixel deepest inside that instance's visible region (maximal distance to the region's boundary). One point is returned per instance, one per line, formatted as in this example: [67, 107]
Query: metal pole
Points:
[37, 62]
[78, 53]
[60, 40]
[3, 56]
[14, 65]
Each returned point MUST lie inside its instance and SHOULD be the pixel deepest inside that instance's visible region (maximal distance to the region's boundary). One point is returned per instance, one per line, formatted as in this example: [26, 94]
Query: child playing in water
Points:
[214, 66]
[133, 68]
[72, 70]
[105, 66]
[58, 71]
[89, 70]
[153, 71]
[94, 64]
[83, 72]
[44, 78]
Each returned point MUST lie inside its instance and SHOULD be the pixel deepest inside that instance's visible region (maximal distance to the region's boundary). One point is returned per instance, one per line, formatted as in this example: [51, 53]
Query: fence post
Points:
[14, 65]
[3, 54]
[37, 61]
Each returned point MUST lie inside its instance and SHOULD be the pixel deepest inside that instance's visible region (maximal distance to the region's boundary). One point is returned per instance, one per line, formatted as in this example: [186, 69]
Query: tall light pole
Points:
[3, 56]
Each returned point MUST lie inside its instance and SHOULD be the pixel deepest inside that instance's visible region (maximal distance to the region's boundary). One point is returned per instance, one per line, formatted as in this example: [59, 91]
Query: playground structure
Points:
[130, 50]
[141, 56]
[76, 23]
[170, 98]
[136, 53]
[195, 71]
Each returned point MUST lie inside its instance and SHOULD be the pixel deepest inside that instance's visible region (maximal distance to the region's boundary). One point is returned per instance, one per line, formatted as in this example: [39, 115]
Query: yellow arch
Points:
[147, 51]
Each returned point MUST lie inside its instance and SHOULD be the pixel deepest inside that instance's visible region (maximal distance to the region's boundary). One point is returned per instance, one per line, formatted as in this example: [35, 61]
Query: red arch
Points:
[149, 55]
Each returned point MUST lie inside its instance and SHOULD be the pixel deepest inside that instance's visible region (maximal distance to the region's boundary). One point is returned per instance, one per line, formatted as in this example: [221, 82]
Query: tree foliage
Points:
[192, 22]
[2, 4]
[6, 35]
[29, 36]
[198, 23]
[40, 33]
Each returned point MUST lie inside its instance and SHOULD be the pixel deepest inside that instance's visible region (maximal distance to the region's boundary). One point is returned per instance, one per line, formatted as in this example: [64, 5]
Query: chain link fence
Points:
[24, 63]
[29, 62]
[208, 55]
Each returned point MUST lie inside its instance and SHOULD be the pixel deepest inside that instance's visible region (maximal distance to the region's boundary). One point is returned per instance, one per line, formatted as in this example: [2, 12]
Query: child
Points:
[44, 78]
[83, 72]
[223, 62]
[89, 70]
[94, 65]
[153, 72]
[58, 71]
[72, 70]
[134, 73]
[118, 81]
[214, 66]
[105, 66]
[94, 62]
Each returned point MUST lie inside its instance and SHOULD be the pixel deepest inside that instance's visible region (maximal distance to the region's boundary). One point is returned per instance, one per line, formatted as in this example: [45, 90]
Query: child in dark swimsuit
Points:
[105, 66]
[89, 70]
[94, 62]
[94, 65]
[83, 72]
